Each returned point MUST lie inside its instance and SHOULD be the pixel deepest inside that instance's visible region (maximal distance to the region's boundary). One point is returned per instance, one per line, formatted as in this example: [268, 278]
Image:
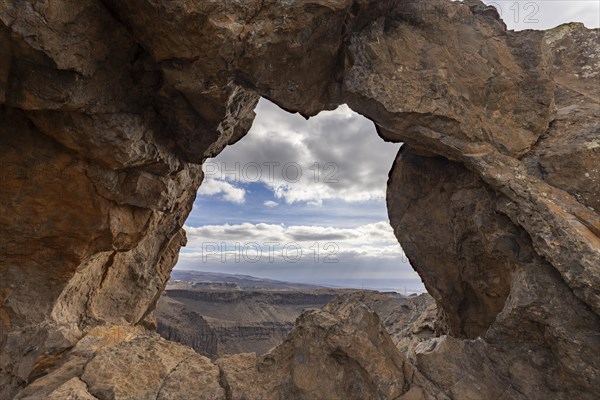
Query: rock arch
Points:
[109, 108]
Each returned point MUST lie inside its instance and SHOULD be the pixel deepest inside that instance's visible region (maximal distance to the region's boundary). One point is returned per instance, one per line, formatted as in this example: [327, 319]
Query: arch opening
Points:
[316, 188]
[287, 218]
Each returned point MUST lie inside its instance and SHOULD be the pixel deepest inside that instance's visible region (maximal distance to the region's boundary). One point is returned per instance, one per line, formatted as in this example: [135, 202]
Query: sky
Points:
[304, 200]
[546, 14]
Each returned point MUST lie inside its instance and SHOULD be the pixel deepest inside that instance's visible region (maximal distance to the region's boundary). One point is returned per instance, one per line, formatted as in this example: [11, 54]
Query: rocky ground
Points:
[346, 338]
[255, 316]
[220, 316]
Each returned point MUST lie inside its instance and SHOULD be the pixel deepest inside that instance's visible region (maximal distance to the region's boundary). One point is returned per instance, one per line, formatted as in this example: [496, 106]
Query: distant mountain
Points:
[215, 280]
[219, 314]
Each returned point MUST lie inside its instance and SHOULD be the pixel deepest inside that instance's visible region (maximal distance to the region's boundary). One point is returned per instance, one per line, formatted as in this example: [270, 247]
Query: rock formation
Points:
[339, 352]
[344, 339]
[125, 362]
[219, 322]
[408, 320]
[109, 107]
[472, 247]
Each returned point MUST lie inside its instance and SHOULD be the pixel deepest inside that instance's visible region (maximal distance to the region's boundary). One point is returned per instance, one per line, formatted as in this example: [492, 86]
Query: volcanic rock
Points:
[108, 109]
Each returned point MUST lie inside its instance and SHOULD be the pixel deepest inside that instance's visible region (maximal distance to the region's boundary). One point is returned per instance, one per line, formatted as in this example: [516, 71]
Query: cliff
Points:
[220, 322]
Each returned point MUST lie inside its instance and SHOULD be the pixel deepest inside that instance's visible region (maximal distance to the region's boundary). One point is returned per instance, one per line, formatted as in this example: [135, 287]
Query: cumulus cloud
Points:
[270, 203]
[363, 256]
[335, 155]
[228, 191]
[373, 240]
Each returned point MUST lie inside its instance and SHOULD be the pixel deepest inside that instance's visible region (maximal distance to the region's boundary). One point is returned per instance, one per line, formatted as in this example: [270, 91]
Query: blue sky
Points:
[264, 210]
[214, 210]
[301, 201]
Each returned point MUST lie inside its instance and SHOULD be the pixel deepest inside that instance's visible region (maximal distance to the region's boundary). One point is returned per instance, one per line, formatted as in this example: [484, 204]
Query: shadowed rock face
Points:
[108, 108]
[479, 263]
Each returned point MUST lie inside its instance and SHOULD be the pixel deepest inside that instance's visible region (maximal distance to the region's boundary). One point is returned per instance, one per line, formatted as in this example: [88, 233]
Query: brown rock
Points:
[408, 320]
[108, 108]
[339, 352]
[123, 363]
[104, 181]
[74, 389]
[473, 247]
[489, 282]
[462, 250]
[566, 156]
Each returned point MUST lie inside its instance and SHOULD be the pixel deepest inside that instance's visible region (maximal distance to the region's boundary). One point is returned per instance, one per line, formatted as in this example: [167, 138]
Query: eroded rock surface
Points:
[108, 108]
[478, 261]
[340, 352]
[124, 363]
[408, 320]
[345, 340]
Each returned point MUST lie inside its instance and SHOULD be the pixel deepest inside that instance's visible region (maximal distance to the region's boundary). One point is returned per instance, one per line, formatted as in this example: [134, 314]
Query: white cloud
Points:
[364, 256]
[546, 14]
[231, 193]
[375, 240]
[270, 203]
[335, 155]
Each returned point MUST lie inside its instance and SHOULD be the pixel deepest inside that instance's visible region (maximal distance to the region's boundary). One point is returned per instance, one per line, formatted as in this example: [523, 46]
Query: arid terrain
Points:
[219, 314]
